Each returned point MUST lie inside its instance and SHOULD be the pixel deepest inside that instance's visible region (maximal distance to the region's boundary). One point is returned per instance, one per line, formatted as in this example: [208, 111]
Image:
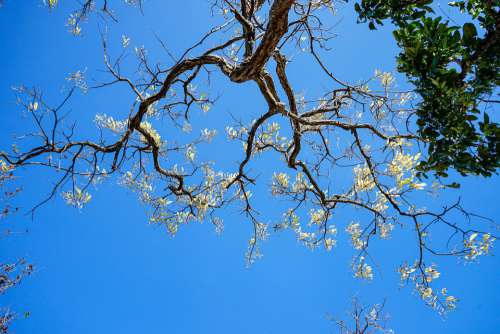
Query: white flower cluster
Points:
[362, 269]
[354, 230]
[318, 216]
[125, 41]
[253, 252]
[79, 80]
[401, 165]
[386, 78]
[270, 137]
[478, 246]
[381, 203]
[309, 239]
[280, 183]
[385, 230]
[208, 135]
[73, 23]
[300, 184]
[149, 129]
[363, 180]
[442, 302]
[143, 185]
[104, 121]
[233, 133]
[190, 153]
[4, 167]
[77, 198]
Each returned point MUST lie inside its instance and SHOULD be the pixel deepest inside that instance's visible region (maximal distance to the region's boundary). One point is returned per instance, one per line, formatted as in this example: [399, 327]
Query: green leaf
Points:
[486, 118]
[469, 31]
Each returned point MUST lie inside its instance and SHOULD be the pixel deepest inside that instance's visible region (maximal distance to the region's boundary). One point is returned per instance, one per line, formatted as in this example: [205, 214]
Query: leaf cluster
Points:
[455, 70]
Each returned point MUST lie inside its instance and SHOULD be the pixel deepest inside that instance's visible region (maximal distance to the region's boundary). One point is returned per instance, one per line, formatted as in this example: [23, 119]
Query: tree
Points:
[363, 148]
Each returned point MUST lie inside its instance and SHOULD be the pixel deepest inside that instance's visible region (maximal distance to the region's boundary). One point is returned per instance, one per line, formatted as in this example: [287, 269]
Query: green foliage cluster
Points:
[456, 71]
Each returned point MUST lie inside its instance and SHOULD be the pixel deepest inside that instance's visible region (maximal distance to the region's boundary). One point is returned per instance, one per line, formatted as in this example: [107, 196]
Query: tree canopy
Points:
[342, 158]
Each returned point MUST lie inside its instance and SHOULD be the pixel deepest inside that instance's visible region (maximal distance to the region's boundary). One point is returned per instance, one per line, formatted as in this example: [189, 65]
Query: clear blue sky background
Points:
[105, 270]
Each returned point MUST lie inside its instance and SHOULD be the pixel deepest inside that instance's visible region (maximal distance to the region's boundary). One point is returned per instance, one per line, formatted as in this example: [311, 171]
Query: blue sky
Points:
[103, 269]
